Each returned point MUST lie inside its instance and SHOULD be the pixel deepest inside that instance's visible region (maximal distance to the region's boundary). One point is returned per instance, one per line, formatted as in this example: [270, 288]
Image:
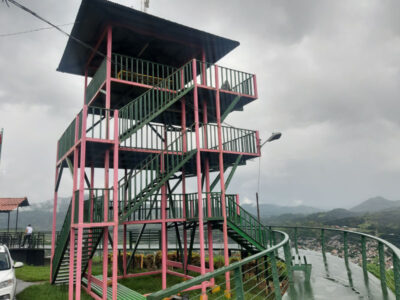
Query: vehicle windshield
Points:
[4, 261]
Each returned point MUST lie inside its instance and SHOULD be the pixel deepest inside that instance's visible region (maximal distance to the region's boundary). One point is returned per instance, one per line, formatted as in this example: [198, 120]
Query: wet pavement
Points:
[333, 279]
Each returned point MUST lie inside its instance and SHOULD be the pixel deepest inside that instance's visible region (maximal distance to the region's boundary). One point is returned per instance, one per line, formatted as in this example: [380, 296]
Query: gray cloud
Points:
[328, 76]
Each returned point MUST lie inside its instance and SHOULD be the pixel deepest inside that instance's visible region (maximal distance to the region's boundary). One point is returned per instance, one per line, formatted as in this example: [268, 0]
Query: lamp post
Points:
[274, 136]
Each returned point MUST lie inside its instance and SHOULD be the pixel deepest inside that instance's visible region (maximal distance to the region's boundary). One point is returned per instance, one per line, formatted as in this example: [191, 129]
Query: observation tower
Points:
[151, 132]
[150, 150]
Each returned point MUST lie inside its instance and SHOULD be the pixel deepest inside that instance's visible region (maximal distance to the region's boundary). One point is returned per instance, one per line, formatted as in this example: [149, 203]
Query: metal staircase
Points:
[61, 260]
[244, 228]
[147, 180]
[154, 101]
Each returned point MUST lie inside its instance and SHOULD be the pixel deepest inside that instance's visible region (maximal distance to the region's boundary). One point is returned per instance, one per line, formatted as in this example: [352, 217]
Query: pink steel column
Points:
[184, 150]
[207, 175]
[255, 86]
[72, 233]
[258, 142]
[53, 232]
[105, 235]
[115, 209]
[78, 274]
[107, 163]
[199, 191]
[222, 181]
[164, 240]
[91, 195]
[124, 205]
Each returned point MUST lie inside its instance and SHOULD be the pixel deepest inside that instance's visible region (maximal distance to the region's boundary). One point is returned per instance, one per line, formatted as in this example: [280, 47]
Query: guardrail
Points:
[67, 139]
[97, 81]
[260, 276]
[14, 240]
[139, 70]
[154, 136]
[373, 254]
[229, 79]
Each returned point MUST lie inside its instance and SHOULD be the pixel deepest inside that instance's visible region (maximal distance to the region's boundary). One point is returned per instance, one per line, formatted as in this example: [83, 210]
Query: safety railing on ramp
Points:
[261, 276]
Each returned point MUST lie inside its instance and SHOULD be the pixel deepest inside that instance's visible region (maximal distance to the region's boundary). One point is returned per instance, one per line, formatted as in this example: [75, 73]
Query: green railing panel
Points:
[139, 70]
[233, 139]
[236, 81]
[67, 140]
[152, 103]
[61, 243]
[146, 178]
[249, 281]
[97, 81]
[375, 256]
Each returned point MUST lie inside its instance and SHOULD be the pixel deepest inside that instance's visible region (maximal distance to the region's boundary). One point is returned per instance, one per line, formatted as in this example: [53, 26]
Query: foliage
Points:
[33, 273]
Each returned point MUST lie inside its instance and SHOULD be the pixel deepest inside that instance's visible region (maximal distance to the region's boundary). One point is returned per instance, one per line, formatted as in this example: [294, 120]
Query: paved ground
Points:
[331, 279]
[21, 285]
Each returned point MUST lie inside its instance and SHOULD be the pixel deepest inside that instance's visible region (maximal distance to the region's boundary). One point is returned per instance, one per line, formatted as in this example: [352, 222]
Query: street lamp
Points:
[274, 136]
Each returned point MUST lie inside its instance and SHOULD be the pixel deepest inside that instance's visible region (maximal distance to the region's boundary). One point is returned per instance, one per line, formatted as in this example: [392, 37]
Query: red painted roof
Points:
[9, 204]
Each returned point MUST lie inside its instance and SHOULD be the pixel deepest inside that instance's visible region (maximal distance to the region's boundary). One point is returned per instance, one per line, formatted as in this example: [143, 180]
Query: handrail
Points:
[381, 243]
[386, 243]
[161, 96]
[62, 239]
[199, 279]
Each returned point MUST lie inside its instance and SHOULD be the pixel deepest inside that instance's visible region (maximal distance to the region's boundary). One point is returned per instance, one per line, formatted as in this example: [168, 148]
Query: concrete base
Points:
[33, 257]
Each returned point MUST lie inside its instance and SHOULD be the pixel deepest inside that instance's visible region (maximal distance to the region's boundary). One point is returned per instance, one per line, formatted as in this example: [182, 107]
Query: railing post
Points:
[396, 272]
[382, 270]
[239, 284]
[323, 241]
[364, 257]
[295, 241]
[275, 276]
[346, 257]
[288, 260]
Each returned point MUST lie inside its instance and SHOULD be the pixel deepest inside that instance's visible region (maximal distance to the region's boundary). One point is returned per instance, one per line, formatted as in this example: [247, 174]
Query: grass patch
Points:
[47, 291]
[148, 284]
[33, 273]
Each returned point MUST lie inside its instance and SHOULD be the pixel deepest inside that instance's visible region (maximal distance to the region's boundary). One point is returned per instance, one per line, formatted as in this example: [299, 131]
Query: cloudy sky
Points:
[328, 77]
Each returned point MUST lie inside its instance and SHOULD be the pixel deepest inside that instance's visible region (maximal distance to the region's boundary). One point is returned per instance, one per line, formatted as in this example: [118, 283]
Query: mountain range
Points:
[40, 214]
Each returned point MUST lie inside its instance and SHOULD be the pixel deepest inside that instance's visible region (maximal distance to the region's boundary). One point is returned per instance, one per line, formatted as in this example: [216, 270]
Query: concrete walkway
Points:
[21, 285]
[331, 279]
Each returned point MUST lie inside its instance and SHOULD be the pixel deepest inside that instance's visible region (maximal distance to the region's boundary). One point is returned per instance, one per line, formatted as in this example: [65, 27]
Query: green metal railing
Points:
[148, 177]
[99, 123]
[154, 136]
[260, 276]
[139, 70]
[246, 222]
[236, 81]
[96, 198]
[374, 255]
[61, 243]
[67, 139]
[152, 103]
[192, 207]
[97, 81]
[241, 221]
[233, 139]
[151, 208]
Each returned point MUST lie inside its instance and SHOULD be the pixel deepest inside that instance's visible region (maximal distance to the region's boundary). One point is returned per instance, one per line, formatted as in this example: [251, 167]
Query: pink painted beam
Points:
[78, 275]
[115, 208]
[222, 180]
[72, 231]
[198, 172]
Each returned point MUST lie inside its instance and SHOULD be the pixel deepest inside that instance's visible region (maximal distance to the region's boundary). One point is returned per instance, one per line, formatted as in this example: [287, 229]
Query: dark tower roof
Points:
[138, 34]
